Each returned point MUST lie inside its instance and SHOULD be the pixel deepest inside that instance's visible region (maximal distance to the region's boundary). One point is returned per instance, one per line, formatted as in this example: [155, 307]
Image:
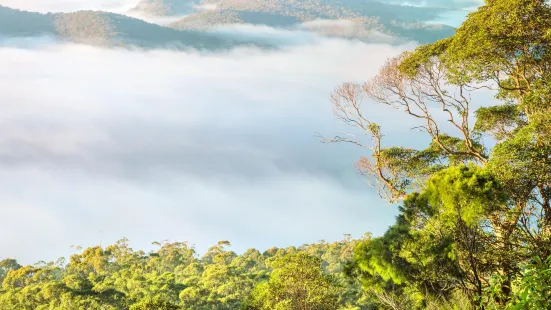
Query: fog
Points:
[452, 4]
[99, 144]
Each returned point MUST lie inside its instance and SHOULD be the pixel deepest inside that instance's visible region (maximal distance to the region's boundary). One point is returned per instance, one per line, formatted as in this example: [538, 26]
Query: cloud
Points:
[27, 42]
[347, 28]
[452, 4]
[99, 144]
[205, 7]
[153, 19]
[262, 34]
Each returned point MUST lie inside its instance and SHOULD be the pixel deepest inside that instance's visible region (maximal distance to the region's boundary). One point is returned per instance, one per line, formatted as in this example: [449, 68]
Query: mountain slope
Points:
[367, 20]
[20, 23]
[361, 18]
[103, 28]
[115, 29]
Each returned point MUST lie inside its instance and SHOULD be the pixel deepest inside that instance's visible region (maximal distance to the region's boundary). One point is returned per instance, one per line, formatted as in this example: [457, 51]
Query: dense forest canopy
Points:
[176, 277]
[474, 223]
[475, 209]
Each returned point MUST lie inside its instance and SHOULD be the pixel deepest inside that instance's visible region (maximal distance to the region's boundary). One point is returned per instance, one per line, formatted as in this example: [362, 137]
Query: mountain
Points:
[356, 18]
[103, 28]
[20, 23]
[367, 20]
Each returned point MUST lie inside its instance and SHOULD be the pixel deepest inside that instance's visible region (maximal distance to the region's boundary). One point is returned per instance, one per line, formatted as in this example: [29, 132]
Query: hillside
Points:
[18, 23]
[172, 277]
[361, 18]
[119, 30]
[366, 20]
[104, 28]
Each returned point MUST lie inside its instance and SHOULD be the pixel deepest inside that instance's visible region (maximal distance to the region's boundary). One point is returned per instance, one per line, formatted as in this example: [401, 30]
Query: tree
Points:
[154, 304]
[297, 282]
[7, 265]
[480, 190]
[171, 277]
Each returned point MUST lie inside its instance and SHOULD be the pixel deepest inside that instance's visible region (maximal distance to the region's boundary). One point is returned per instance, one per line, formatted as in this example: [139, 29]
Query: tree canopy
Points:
[475, 202]
[176, 277]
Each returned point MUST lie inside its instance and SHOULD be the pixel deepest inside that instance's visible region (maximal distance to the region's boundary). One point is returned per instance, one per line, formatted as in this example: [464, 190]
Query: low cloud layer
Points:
[453, 4]
[347, 28]
[99, 144]
[205, 7]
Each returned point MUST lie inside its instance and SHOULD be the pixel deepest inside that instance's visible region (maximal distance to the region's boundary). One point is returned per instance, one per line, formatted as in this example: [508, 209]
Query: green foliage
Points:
[154, 304]
[503, 35]
[468, 193]
[499, 121]
[6, 266]
[297, 282]
[477, 200]
[531, 288]
[413, 62]
[534, 289]
[416, 261]
[175, 277]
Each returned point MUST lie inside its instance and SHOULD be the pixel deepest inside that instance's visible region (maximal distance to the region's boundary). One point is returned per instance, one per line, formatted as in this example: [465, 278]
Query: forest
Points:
[365, 17]
[473, 229]
[176, 277]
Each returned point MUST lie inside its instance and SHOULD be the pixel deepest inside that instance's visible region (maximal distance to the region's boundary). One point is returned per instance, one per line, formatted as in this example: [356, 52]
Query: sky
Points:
[99, 144]
[453, 4]
[68, 5]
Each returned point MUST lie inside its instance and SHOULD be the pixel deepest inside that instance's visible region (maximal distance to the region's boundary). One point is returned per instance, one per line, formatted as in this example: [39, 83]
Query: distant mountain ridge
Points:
[364, 16]
[104, 28]
[367, 20]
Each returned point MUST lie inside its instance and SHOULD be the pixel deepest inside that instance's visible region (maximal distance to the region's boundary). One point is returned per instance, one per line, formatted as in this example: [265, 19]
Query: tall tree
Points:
[297, 282]
[482, 186]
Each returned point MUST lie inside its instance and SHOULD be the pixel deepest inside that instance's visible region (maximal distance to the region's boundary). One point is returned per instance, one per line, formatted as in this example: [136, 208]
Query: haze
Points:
[99, 143]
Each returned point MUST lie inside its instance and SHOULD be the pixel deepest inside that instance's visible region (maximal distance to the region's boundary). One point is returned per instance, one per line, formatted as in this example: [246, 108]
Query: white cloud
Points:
[205, 6]
[267, 35]
[180, 145]
[454, 4]
[159, 20]
[347, 28]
